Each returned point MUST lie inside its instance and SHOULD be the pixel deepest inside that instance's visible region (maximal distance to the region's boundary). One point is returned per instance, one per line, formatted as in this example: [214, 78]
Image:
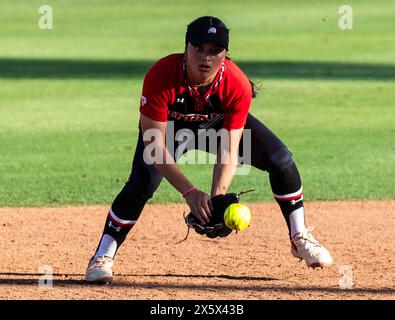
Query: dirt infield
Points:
[253, 264]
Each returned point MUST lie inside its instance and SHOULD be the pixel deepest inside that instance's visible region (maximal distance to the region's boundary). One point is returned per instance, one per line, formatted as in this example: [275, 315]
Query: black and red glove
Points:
[216, 227]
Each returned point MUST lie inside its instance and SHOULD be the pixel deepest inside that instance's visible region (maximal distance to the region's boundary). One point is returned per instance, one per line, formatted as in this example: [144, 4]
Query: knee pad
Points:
[281, 160]
[283, 174]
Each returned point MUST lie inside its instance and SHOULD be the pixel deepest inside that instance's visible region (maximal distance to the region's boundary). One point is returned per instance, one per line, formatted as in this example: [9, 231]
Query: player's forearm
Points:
[155, 153]
[222, 178]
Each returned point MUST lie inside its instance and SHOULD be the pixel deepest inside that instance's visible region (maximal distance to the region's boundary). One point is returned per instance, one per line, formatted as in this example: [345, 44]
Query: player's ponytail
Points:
[254, 88]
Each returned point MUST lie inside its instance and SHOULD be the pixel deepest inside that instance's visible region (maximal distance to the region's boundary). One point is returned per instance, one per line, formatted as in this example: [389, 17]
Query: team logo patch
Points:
[212, 30]
[143, 101]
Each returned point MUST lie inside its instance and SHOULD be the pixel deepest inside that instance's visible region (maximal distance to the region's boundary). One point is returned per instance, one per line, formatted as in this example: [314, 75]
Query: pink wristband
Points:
[188, 191]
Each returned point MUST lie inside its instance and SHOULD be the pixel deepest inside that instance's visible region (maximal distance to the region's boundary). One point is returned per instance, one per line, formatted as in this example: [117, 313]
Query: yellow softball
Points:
[237, 216]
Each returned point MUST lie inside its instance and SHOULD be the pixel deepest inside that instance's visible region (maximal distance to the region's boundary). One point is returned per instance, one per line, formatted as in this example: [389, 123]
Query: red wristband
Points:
[188, 191]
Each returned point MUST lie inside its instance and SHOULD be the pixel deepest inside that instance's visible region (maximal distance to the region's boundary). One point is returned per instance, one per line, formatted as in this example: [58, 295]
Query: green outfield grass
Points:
[69, 96]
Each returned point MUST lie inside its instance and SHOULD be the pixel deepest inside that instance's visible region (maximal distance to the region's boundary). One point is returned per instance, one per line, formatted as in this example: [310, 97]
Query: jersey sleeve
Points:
[235, 116]
[155, 94]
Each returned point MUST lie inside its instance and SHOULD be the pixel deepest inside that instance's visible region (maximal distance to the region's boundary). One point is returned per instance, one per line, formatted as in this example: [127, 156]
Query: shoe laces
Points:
[100, 261]
[306, 237]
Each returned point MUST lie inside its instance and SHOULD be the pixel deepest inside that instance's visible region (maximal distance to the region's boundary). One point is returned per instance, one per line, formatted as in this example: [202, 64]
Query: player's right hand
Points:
[200, 204]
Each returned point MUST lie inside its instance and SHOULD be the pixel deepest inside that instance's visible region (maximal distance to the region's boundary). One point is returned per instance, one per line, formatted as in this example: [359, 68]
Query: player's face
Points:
[203, 61]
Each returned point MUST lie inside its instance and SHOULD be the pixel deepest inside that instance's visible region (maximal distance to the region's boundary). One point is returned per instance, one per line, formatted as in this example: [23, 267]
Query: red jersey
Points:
[167, 95]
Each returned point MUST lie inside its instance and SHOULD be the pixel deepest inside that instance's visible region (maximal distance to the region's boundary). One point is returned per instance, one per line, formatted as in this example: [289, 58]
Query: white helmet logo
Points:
[212, 30]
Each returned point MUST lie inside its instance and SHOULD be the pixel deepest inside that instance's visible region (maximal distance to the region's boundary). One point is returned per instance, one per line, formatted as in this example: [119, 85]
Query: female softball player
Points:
[199, 89]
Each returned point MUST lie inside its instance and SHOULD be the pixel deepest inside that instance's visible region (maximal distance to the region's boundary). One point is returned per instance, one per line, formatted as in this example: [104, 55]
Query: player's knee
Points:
[143, 184]
[137, 191]
[281, 160]
[284, 177]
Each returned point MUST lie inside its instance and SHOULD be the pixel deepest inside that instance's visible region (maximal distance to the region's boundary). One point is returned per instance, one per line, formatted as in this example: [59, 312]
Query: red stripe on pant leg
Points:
[120, 224]
[288, 198]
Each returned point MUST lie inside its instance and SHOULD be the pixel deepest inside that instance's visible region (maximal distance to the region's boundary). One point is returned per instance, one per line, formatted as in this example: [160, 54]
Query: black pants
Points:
[268, 153]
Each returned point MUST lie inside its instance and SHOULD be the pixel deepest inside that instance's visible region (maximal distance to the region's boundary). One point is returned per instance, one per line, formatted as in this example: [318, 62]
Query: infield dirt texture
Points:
[253, 264]
[69, 101]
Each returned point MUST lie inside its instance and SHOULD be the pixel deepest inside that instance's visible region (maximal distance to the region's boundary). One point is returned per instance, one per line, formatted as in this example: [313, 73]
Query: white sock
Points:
[296, 219]
[108, 246]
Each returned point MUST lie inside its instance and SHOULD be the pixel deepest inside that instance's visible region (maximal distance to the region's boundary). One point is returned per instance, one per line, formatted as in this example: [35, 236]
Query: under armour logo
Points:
[111, 225]
[180, 100]
[293, 202]
[212, 30]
